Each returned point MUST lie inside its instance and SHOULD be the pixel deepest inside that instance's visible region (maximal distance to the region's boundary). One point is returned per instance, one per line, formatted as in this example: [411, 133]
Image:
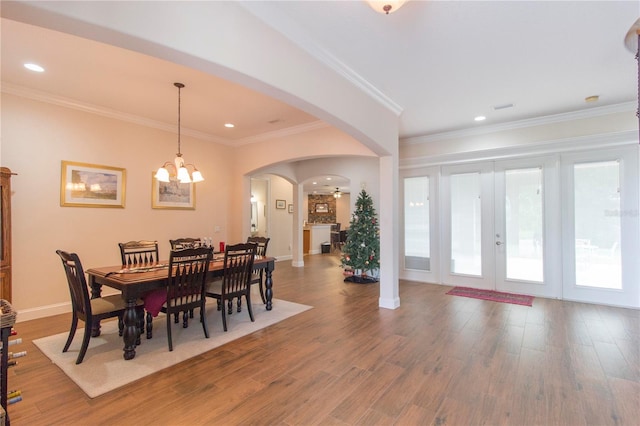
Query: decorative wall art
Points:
[91, 185]
[322, 208]
[172, 195]
[281, 204]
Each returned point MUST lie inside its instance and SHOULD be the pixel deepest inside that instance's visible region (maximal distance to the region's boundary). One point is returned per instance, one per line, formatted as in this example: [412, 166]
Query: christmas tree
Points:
[361, 252]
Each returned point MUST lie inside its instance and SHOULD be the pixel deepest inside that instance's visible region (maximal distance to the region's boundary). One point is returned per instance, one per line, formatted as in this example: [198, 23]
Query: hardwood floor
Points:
[437, 360]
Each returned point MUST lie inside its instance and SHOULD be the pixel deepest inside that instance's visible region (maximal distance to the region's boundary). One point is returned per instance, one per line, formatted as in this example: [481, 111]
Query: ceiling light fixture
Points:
[229, 125]
[181, 169]
[386, 6]
[34, 67]
[632, 41]
[337, 193]
[480, 118]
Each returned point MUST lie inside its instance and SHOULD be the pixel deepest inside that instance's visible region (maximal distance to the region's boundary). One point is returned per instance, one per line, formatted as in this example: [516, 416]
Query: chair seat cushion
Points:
[155, 300]
[214, 287]
[106, 304]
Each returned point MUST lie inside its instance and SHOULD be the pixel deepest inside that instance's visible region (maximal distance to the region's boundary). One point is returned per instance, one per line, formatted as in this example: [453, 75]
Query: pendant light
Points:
[180, 169]
[337, 193]
[632, 41]
[385, 6]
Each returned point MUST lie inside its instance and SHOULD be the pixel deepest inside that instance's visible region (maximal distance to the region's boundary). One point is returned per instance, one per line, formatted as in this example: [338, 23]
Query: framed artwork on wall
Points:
[290, 208]
[322, 208]
[281, 204]
[172, 195]
[91, 185]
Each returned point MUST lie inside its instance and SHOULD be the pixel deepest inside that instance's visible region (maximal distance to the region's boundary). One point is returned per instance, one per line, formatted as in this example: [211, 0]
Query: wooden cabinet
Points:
[306, 241]
[5, 233]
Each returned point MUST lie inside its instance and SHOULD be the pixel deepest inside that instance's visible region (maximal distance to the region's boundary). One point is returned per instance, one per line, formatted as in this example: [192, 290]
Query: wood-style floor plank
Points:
[436, 360]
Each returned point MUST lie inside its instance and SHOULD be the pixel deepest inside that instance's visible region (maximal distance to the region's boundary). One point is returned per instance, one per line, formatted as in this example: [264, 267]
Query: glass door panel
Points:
[466, 224]
[524, 234]
[597, 224]
[601, 247]
[417, 246]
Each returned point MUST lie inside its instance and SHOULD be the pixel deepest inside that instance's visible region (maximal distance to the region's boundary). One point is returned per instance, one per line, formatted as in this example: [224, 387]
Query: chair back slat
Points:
[261, 244]
[77, 283]
[135, 253]
[187, 274]
[238, 266]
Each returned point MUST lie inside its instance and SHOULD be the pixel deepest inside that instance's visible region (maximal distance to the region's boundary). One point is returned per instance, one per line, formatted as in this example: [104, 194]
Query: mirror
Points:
[254, 216]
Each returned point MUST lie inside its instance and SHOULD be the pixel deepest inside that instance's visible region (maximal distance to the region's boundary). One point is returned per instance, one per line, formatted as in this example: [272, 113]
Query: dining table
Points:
[134, 281]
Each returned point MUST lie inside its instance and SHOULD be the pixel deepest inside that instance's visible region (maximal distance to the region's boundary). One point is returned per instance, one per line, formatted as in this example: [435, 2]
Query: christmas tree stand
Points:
[360, 279]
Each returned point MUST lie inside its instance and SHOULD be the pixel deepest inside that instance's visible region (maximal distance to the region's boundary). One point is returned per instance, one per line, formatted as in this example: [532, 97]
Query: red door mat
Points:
[495, 296]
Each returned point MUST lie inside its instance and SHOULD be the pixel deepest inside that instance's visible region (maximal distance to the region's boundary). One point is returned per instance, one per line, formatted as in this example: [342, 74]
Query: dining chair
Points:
[335, 236]
[236, 278]
[136, 253]
[182, 243]
[91, 311]
[185, 289]
[257, 277]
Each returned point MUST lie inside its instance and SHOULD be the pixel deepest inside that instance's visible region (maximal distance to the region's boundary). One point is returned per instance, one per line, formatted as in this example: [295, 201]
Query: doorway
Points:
[560, 226]
[500, 226]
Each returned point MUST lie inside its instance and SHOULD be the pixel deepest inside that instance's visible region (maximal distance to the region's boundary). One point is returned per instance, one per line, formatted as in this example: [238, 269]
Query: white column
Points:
[388, 216]
[297, 257]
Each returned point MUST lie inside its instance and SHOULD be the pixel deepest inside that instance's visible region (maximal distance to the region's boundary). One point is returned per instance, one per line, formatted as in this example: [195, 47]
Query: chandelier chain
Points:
[179, 86]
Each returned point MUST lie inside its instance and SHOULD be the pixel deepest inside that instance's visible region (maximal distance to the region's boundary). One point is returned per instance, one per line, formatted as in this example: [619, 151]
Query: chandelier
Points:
[386, 6]
[337, 193]
[179, 168]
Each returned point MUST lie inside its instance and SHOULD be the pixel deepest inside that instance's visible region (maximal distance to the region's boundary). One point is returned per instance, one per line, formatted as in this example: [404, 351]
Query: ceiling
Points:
[442, 63]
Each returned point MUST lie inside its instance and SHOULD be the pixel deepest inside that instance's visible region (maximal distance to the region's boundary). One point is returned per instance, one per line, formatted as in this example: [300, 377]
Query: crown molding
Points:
[62, 101]
[555, 146]
[519, 124]
[298, 36]
[49, 98]
[276, 134]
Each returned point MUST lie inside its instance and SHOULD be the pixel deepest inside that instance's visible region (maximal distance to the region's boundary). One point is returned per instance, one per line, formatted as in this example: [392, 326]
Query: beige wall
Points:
[36, 137]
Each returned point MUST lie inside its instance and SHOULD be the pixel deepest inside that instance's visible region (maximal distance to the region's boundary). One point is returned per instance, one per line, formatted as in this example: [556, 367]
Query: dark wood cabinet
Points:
[5, 232]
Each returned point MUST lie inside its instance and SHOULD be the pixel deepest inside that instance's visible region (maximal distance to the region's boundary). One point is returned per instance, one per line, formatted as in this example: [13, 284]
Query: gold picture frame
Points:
[92, 185]
[172, 195]
[281, 204]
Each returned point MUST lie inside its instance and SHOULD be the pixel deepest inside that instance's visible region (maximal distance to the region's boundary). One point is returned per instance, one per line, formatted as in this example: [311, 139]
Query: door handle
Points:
[498, 243]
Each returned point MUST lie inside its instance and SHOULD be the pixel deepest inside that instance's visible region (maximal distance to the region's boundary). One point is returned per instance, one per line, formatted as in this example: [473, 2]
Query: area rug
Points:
[103, 368]
[495, 296]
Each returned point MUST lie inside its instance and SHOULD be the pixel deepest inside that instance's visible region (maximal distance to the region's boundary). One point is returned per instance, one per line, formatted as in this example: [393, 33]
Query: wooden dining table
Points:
[133, 282]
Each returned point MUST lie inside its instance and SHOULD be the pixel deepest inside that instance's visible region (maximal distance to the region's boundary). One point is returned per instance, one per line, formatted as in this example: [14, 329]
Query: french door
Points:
[501, 226]
[601, 230]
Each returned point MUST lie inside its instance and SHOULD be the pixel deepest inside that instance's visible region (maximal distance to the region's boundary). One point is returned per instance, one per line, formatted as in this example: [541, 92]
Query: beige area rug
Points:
[103, 368]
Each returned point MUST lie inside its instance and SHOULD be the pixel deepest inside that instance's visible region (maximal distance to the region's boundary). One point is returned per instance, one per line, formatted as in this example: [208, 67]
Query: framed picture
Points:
[290, 208]
[172, 195]
[281, 204]
[91, 185]
[322, 208]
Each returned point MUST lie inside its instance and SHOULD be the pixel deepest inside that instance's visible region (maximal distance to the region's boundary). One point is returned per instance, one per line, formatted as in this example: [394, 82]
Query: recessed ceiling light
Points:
[229, 125]
[503, 106]
[328, 178]
[34, 67]
[315, 183]
[593, 98]
[480, 118]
